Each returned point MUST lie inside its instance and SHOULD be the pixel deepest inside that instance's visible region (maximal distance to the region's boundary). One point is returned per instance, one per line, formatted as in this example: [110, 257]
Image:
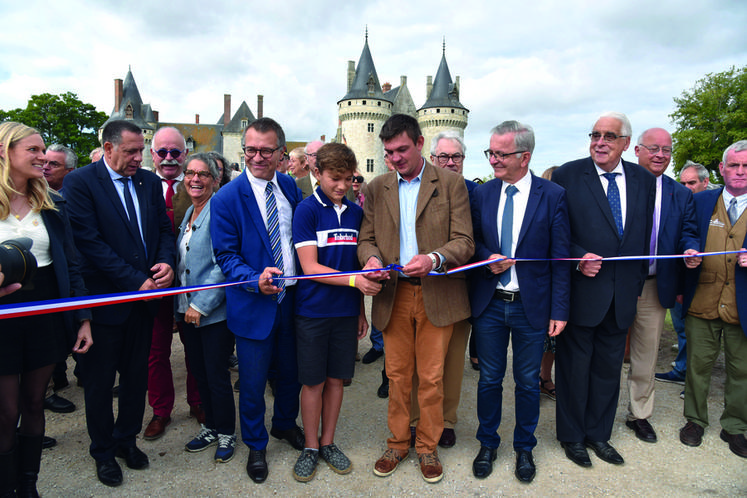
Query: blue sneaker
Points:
[671, 377]
[226, 446]
[205, 439]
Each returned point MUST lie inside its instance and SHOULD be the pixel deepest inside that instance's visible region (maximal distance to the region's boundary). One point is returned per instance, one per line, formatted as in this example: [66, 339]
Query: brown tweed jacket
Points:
[443, 224]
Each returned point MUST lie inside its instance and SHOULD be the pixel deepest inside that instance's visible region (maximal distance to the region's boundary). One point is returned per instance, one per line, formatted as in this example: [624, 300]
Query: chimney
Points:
[457, 81]
[197, 119]
[226, 109]
[118, 94]
[260, 106]
[403, 81]
[351, 74]
[428, 87]
[323, 138]
[386, 87]
[155, 116]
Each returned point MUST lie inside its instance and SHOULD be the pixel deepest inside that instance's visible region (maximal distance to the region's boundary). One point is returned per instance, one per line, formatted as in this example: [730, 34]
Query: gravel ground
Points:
[667, 468]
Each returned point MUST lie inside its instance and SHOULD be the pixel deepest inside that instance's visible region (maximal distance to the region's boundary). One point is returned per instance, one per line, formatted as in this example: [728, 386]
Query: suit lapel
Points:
[667, 196]
[390, 197]
[137, 182]
[107, 185]
[492, 238]
[254, 214]
[597, 192]
[633, 196]
[428, 189]
[533, 201]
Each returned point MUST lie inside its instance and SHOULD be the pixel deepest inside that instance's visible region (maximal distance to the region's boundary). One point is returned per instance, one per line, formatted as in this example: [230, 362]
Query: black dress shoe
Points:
[642, 429]
[134, 457]
[576, 453]
[294, 436]
[109, 472]
[48, 442]
[448, 438]
[605, 451]
[525, 469]
[371, 356]
[482, 465]
[256, 466]
[413, 436]
[58, 404]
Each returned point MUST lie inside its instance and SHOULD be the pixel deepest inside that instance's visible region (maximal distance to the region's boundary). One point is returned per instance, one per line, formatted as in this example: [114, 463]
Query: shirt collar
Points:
[322, 198]
[419, 177]
[618, 169]
[260, 182]
[522, 185]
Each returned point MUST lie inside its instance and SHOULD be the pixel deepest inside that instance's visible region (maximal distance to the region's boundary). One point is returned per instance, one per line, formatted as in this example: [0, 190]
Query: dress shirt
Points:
[165, 185]
[408, 204]
[521, 197]
[119, 186]
[657, 224]
[741, 201]
[620, 180]
[285, 220]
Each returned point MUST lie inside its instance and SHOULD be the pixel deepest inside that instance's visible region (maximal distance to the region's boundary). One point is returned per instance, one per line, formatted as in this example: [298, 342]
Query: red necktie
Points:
[169, 201]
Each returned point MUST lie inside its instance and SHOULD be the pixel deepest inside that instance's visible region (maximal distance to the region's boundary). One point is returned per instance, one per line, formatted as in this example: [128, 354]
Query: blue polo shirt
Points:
[334, 232]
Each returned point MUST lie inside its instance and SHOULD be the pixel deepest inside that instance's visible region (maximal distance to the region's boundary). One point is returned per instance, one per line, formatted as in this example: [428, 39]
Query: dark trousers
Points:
[120, 348]
[255, 358]
[208, 348]
[588, 361]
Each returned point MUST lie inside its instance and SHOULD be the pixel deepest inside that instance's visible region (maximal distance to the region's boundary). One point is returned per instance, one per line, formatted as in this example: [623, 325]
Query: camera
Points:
[18, 264]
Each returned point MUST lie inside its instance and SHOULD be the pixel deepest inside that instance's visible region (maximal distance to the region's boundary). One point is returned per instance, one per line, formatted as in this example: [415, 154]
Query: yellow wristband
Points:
[351, 281]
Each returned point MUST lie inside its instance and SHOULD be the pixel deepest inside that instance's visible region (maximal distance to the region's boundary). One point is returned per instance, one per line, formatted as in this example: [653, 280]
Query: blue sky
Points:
[553, 65]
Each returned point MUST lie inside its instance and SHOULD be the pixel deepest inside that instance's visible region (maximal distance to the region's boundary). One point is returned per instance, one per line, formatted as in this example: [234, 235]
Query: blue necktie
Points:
[130, 205]
[613, 197]
[507, 227]
[273, 230]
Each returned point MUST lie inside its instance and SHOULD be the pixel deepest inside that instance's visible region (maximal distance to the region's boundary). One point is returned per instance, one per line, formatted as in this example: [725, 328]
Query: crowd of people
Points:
[545, 285]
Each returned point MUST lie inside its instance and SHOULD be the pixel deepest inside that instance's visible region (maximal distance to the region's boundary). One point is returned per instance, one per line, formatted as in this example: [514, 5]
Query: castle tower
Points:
[442, 109]
[362, 112]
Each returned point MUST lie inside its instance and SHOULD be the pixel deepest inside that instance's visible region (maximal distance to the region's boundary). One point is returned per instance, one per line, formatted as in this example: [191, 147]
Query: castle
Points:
[367, 105]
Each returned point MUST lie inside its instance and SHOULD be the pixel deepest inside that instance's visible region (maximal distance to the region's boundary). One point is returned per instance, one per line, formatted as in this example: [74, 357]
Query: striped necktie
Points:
[273, 230]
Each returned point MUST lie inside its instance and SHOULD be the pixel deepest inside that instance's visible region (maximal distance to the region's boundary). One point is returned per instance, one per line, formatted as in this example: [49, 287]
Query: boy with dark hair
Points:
[328, 310]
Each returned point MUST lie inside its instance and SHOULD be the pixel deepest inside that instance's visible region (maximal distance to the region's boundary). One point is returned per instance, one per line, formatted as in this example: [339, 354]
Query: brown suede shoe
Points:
[196, 412]
[156, 427]
[691, 434]
[387, 464]
[737, 443]
[430, 467]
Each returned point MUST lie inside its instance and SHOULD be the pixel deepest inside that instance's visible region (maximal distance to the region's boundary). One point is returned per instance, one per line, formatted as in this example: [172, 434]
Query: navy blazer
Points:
[545, 233]
[593, 231]
[65, 260]
[111, 260]
[242, 249]
[678, 232]
[705, 203]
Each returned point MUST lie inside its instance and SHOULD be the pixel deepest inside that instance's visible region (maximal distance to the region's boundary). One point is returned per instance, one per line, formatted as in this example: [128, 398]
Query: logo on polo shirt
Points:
[337, 237]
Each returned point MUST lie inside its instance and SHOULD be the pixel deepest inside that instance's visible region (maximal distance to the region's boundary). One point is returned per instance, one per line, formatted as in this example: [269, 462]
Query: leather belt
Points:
[411, 280]
[507, 296]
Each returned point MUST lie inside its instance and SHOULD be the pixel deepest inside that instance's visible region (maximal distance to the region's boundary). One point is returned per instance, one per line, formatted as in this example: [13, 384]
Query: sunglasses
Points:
[163, 153]
[358, 179]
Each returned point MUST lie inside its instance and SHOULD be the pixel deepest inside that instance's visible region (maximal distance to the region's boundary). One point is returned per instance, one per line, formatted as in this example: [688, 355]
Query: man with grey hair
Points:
[674, 232]
[694, 176]
[715, 303]
[516, 215]
[309, 182]
[96, 154]
[611, 209]
[58, 162]
[448, 151]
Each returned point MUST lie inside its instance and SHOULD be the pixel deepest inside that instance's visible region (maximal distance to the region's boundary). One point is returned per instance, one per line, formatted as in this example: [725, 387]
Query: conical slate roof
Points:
[243, 112]
[366, 81]
[444, 92]
[141, 114]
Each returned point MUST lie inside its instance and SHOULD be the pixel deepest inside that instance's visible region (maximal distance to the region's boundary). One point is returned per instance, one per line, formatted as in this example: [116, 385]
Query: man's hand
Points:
[149, 284]
[500, 266]
[84, 341]
[693, 262]
[362, 325]
[265, 281]
[556, 327]
[366, 286]
[374, 263]
[192, 316]
[419, 266]
[163, 275]
[743, 258]
[590, 265]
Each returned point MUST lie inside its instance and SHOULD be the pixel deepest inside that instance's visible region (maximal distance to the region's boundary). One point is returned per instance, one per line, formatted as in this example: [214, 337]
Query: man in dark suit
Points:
[121, 229]
[516, 215]
[418, 217]
[610, 207]
[715, 302]
[674, 232]
[251, 231]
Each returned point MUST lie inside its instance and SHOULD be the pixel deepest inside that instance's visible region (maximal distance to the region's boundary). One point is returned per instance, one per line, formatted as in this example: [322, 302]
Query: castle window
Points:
[350, 103]
[379, 104]
[369, 165]
[438, 111]
[370, 127]
[128, 112]
[452, 111]
[364, 102]
[244, 123]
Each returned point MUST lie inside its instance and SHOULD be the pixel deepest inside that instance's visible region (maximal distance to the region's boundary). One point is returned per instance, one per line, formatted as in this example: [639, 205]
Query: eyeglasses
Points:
[501, 155]
[250, 152]
[654, 149]
[608, 137]
[312, 154]
[286, 156]
[162, 153]
[358, 179]
[444, 158]
[54, 164]
[204, 175]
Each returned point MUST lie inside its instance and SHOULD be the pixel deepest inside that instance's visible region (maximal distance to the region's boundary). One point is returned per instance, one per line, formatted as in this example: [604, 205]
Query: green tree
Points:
[61, 119]
[710, 117]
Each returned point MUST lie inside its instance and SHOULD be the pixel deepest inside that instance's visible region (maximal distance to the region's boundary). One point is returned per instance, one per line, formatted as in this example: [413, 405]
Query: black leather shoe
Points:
[691, 434]
[525, 469]
[605, 451]
[256, 466]
[371, 356]
[48, 442]
[482, 465]
[134, 457]
[58, 404]
[576, 453]
[642, 429]
[109, 472]
[448, 438]
[294, 436]
[413, 436]
[737, 443]
[383, 390]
